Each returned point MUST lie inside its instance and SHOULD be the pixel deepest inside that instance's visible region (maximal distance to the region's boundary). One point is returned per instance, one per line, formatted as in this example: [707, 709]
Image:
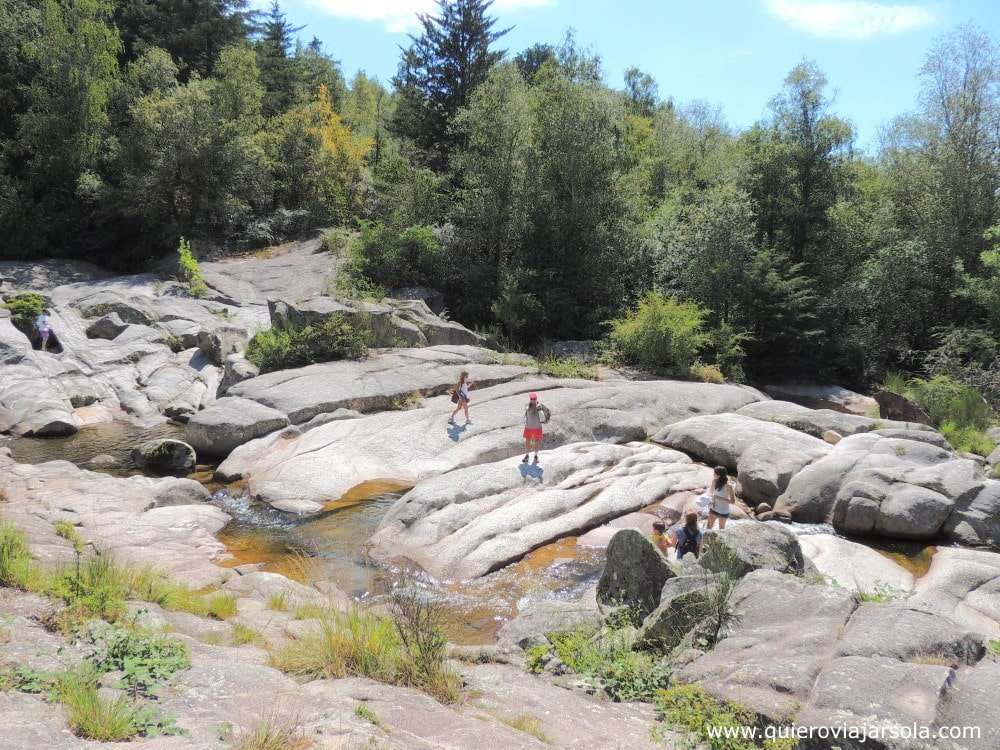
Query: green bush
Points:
[413, 257]
[707, 373]
[661, 334]
[333, 339]
[947, 400]
[967, 439]
[567, 367]
[706, 720]
[145, 661]
[190, 271]
[24, 310]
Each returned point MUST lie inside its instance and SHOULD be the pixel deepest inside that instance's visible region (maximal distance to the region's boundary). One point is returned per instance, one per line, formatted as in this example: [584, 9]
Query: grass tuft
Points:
[567, 367]
[529, 725]
[244, 634]
[272, 732]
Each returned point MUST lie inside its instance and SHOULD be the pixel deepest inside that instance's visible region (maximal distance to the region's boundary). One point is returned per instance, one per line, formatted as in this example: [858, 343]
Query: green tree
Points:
[439, 72]
[641, 92]
[194, 32]
[279, 68]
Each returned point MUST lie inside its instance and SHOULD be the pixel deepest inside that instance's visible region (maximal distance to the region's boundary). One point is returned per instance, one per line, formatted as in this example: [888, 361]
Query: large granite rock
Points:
[531, 626]
[633, 575]
[765, 455]
[166, 457]
[412, 445]
[390, 322]
[821, 396]
[963, 585]
[230, 422]
[745, 546]
[854, 566]
[894, 406]
[469, 522]
[686, 604]
[375, 383]
[134, 519]
[870, 484]
[817, 421]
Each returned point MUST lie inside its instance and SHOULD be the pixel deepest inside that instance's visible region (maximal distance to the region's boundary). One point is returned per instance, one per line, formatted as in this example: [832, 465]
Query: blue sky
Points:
[733, 53]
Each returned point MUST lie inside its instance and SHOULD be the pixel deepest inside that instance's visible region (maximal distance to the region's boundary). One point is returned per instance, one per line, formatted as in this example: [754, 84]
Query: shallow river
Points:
[331, 545]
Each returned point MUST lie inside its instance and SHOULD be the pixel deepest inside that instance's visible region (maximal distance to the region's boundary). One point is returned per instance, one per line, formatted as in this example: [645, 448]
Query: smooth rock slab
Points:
[817, 421]
[469, 522]
[765, 455]
[230, 422]
[408, 446]
[963, 585]
[854, 566]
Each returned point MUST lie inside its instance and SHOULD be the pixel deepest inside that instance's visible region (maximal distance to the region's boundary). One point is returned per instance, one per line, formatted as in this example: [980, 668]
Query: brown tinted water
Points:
[916, 557]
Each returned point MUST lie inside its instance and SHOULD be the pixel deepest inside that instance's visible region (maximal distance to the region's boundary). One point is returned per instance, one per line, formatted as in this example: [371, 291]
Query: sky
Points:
[731, 53]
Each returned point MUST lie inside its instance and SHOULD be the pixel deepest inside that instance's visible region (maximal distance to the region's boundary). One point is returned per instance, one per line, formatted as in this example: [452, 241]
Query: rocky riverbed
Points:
[324, 486]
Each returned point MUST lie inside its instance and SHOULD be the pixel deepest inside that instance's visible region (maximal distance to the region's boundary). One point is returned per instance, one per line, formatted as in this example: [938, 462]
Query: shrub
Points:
[967, 439]
[272, 732]
[709, 722]
[609, 659]
[68, 531]
[25, 308]
[413, 257]
[567, 367]
[661, 334]
[707, 373]
[333, 339]
[360, 643]
[947, 400]
[189, 269]
[17, 569]
[145, 661]
[92, 717]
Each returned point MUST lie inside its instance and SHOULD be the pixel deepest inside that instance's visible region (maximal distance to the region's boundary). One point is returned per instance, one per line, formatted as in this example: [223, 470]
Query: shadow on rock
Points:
[532, 471]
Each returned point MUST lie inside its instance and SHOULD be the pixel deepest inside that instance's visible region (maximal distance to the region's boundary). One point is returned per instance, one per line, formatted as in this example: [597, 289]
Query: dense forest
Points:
[544, 201]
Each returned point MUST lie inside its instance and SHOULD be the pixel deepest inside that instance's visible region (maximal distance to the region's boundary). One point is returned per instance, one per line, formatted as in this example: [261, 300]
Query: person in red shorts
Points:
[533, 422]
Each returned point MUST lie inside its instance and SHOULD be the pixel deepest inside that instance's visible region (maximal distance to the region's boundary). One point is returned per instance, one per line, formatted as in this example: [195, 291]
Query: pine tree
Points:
[439, 72]
[278, 67]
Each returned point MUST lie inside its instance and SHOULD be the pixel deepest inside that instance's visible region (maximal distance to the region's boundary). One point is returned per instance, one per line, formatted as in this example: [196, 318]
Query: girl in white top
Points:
[460, 396]
[723, 498]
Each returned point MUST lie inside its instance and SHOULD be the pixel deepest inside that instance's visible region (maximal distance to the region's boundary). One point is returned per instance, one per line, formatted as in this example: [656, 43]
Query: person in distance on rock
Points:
[44, 327]
[660, 537]
[686, 538]
[533, 425]
[723, 498]
[460, 396]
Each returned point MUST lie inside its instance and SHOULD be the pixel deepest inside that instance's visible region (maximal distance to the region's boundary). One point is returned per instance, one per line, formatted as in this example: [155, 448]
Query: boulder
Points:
[745, 546]
[816, 396]
[894, 406]
[103, 461]
[14, 345]
[854, 566]
[633, 575]
[686, 603]
[469, 522]
[994, 458]
[230, 422]
[815, 422]
[539, 618]
[972, 703]
[166, 457]
[132, 310]
[236, 369]
[107, 327]
[765, 455]
[435, 329]
[221, 341]
[916, 634]
[963, 585]
[33, 405]
[331, 459]
[431, 297]
[884, 486]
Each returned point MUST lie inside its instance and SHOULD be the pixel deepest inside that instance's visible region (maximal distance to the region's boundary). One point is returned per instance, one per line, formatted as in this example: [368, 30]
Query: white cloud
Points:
[401, 15]
[846, 19]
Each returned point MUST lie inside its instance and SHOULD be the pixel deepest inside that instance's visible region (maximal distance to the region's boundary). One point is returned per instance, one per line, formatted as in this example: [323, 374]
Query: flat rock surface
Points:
[854, 566]
[469, 522]
[302, 472]
[817, 421]
[376, 382]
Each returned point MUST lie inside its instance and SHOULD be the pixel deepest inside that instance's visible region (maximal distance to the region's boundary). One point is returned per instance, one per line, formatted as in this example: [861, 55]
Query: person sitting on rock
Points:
[723, 498]
[43, 325]
[533, 425]
[686, 538]
[660, 537]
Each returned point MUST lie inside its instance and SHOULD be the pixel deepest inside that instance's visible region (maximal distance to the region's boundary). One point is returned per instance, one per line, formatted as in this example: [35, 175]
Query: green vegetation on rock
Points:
[333, 339]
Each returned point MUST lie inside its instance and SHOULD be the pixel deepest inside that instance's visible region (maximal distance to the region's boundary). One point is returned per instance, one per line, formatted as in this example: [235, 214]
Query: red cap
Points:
[533, 396]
